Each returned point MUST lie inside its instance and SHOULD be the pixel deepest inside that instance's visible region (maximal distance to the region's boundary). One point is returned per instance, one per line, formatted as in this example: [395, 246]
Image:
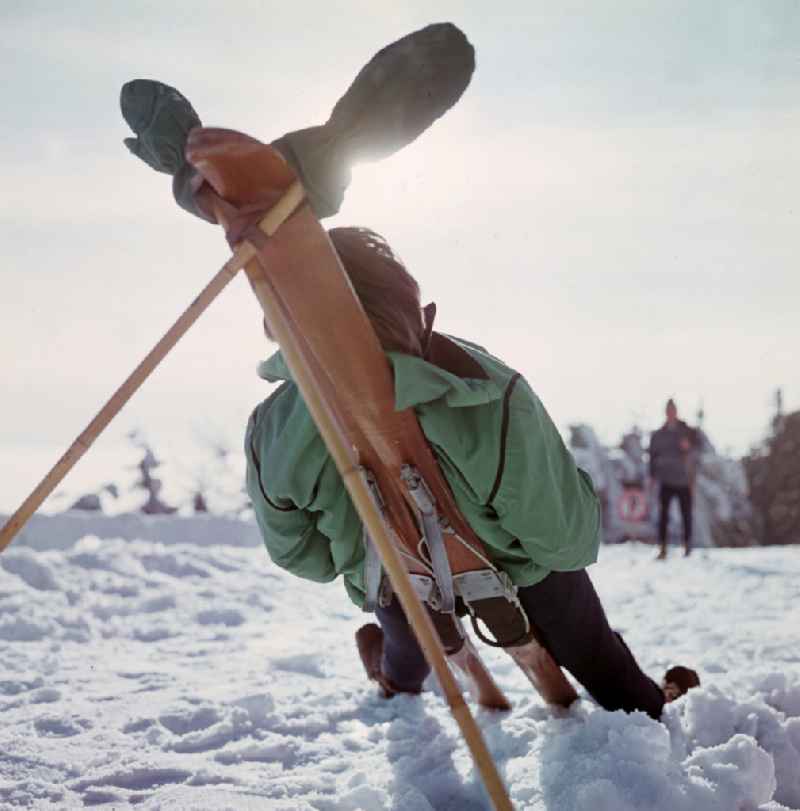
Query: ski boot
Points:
[369, 640]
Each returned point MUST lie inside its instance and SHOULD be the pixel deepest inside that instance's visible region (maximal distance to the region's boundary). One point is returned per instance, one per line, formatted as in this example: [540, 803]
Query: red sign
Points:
[633, 504]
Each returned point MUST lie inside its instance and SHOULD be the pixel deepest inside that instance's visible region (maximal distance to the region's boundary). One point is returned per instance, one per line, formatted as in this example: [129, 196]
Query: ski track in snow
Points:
[196, 675]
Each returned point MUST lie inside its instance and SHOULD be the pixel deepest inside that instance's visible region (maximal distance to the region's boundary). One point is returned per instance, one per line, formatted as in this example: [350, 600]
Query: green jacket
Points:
[512, 477]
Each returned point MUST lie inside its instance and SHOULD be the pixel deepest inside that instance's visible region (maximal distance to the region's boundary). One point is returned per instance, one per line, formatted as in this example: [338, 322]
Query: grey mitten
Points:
[394, 98]
[162, 118]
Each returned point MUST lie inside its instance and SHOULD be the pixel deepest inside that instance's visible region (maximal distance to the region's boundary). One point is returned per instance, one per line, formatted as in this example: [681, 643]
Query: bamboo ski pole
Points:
[303, 374]
[242, 255]
[337, 445]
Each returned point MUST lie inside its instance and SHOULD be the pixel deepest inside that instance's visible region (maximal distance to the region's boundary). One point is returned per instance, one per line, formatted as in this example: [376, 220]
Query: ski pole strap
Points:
[491, 597]
[372, 572]
[483, 584]
[445, 600]
[508, 623]
[485, 596]
[373, 569]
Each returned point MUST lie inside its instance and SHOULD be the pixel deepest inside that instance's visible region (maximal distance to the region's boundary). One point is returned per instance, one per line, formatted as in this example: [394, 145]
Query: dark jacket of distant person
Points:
[672, 452]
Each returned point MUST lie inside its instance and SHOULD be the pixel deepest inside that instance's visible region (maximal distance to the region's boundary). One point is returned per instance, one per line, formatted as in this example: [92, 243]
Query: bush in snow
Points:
[773, 472]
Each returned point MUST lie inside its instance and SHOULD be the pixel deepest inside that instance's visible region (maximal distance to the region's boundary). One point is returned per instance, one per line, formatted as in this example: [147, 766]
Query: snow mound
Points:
[177, 668]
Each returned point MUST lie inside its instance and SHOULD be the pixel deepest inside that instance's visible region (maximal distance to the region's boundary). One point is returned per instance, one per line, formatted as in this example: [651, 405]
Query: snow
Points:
[165, 663]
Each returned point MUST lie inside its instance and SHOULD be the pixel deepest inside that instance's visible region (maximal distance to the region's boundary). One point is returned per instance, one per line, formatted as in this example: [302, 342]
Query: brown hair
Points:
[388, 292]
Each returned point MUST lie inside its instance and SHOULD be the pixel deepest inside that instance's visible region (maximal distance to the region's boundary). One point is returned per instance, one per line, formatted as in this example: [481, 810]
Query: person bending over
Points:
[512, 477]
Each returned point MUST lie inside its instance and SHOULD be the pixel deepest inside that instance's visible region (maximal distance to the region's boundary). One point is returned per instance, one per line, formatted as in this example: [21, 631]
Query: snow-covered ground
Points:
[184, 671]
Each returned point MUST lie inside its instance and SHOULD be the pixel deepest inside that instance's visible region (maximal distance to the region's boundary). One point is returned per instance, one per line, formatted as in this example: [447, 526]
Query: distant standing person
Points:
[672, 465]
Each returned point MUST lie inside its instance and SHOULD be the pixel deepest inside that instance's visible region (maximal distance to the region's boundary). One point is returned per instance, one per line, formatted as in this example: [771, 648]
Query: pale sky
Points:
[611, 208]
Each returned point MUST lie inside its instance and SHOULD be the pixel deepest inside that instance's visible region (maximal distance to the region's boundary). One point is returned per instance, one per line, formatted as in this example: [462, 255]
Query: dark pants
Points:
[684, 495]
[572, 625]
